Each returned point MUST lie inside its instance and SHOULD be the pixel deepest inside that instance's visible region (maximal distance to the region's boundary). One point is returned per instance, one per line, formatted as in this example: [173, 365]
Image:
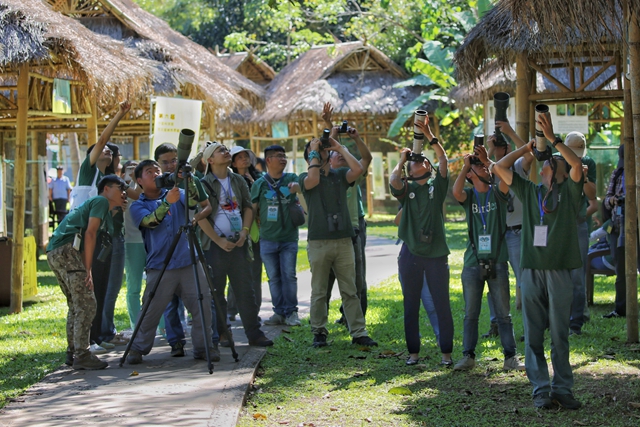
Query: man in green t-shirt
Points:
[70, 255]
[330, 233]
[549, 252]
[485, 259]
[271, 196]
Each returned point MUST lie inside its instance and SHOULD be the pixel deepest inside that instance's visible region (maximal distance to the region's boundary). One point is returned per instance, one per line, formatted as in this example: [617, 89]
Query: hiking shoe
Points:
[465, 364]
[613, 315]
[493, 331]
[177, 350]
[89, 362]
[69, 358]
[364, 341]
[214, 352]
[513, 363]
[107, 345]
[319, 340]
[96, 349]
[134, 357]
[274, 320]
[292, 319]
[567, 401]
[119, 339]
[261, 342]
[542, 401]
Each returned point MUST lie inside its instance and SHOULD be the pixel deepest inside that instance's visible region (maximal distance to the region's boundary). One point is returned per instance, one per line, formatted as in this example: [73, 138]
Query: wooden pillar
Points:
[252, 142]
[92, 124]
[213, 129]
[136, 147]
[20, 173]
[631, 157]
[368, 185]
[35, 188]
[294, 153]
[315, 125]
[523, 105]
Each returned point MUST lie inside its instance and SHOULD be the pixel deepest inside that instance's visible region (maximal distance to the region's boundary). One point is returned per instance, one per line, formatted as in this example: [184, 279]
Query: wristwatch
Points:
[434, 141]
[557, 141]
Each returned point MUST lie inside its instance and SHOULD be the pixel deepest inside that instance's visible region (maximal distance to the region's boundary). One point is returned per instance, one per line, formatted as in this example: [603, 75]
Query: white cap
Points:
[208, 152]
[577, 142]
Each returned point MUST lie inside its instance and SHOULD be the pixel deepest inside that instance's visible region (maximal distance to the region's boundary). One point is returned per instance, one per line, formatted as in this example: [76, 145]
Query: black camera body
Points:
[344, 128]
[335, 222]
[478, 141]
[166, 180]
[426, 237]
[487, 268]
[324, 139]
[234, 237]
[416, 157]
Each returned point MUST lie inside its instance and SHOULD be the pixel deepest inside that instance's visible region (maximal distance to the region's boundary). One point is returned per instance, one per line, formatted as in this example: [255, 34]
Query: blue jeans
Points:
[579, 277]
[279, 260]
[545, 304]
[472, 289]
[430, 308]
[513, 240]
[116, 275]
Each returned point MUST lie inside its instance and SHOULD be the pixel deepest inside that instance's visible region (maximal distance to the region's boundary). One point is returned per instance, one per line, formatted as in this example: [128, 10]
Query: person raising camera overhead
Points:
[424, 252]
[485, 259]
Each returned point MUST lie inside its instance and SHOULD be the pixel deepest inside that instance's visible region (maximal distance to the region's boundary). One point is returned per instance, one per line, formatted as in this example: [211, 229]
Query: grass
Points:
[342, 385]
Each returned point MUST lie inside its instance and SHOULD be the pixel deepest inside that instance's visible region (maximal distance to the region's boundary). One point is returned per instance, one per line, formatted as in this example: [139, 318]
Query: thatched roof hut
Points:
[250, 66]
[355, 78]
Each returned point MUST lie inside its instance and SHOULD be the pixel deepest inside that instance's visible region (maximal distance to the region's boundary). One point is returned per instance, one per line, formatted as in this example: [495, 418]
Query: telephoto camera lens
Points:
[324, 139]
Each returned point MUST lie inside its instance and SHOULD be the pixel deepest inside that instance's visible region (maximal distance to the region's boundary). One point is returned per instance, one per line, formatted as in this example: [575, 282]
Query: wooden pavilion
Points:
[587, 37]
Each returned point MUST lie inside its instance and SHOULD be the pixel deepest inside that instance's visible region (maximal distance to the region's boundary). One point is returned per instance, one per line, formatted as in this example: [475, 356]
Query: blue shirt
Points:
[157, 241]
[60, 187]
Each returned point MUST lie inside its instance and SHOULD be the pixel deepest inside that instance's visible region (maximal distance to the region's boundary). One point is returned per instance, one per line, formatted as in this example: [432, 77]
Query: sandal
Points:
[411, 361]
[446, 363]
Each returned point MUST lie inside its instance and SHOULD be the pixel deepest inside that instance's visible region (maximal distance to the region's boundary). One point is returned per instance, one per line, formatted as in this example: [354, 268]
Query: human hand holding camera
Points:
[315, 145]
[404, 154]
[172, 195]
[424, 127]
[481, 153]
[544, 120]
[243, 238]
[505, 127]
[467, 163]
[353, 133]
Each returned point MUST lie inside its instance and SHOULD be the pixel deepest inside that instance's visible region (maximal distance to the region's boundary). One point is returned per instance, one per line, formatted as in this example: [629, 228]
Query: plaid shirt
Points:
[616, 188]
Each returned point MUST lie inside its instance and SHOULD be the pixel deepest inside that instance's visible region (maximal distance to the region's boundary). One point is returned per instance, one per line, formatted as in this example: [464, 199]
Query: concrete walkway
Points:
[167, 391]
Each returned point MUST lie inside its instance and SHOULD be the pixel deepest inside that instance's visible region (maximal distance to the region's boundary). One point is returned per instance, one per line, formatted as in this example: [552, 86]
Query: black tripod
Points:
[194, 249]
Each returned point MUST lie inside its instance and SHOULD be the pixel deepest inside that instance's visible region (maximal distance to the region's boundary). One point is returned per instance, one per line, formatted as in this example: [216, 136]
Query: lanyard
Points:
[228, 192]
[540, 206]
[480, 209]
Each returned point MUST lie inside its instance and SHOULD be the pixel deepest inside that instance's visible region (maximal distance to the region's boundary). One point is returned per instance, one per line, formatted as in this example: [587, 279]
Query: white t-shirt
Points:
[228, 220]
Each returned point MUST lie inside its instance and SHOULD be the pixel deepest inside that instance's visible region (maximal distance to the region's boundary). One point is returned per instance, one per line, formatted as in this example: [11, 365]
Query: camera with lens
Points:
[324, 139]
[542, 150]
[501, 104]
[105, 248]
[335, 222]
[234, 237]
[487, 268]
[185, 141]
[426, 237]
[478, 141]
[344, 128]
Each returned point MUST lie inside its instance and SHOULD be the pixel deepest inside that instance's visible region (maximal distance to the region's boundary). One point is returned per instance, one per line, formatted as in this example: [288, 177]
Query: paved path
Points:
[164, 390]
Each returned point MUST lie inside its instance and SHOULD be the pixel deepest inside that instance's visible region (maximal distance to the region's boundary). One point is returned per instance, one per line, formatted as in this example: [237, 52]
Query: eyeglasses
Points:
[222, 149]
[169, 162]
[278, 156]
[121, 187]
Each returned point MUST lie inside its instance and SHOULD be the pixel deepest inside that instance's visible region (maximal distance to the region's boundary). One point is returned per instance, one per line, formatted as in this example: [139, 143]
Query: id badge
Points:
[236, 222]
[272, 213]
[484, 244]
[540, 235]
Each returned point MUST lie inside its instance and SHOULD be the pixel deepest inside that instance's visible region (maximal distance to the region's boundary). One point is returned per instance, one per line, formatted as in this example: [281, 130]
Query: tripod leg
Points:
[193, 242]
[220, 317]
[147, 303]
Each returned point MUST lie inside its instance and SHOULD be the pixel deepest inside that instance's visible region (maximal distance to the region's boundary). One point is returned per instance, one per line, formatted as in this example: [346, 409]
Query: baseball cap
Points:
[60, 167]
[577, 142]
[208, 152]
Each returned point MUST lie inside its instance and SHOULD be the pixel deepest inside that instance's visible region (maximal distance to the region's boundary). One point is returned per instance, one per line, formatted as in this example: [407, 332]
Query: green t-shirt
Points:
[78, 220]
[329, 197]
[562, 251]
[273, 213]
[88, 172]
[493, 213]
[422, 214]
[352, 202]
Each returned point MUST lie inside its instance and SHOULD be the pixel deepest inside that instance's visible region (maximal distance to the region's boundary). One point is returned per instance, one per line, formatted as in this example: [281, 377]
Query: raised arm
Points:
[437, 148]
[567, 153]
[395, 180]
[503, 167]
[458, 186]
[365, 154]
[313, 176]
[355, 168]
[125, 106]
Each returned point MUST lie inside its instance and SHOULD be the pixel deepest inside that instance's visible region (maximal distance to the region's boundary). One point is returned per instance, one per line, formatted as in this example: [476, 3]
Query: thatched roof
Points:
[195, 66]
[519, 26]
[250, 66]
[30, 32]
[354, 77]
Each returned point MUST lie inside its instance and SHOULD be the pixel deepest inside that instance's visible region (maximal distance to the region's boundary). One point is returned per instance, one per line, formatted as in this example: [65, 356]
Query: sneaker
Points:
[542, 401]
[89, 362]
[513, 363]
[96, 349]
[69, 358]
[274, 320]
[261, 342]
[107, 345]
[119, 339]
[319, 340]
[177, 350]
[573, 331]
[567, 401]
[465, 364]
[364, 341]
[613, 315]
[493, 331]
[134, 357]
[292, 319]
[446, 363]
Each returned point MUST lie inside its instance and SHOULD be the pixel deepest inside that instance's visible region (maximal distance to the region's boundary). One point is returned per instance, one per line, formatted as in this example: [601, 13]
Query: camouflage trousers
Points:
[69, 269]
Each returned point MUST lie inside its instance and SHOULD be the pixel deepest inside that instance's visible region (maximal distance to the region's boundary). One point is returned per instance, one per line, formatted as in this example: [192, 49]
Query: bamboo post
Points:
[20, 173]
[523, 105]
[35, 188]
[92, 124]
[74, 151]
[136, 147]
[631, 157]
[252, 142]
[368, 185]
[213, 131]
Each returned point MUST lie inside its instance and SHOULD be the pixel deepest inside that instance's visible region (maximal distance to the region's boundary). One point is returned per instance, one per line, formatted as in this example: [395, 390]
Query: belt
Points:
[515, 227]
